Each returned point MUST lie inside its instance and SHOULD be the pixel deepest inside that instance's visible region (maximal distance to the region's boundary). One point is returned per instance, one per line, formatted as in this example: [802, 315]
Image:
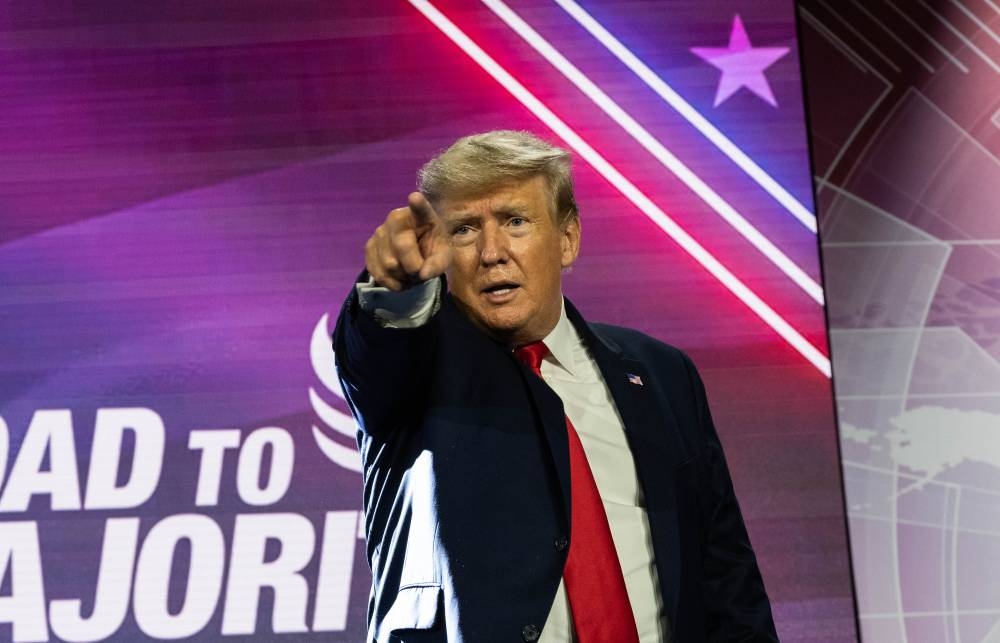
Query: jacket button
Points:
[561, 543]
[529, 633]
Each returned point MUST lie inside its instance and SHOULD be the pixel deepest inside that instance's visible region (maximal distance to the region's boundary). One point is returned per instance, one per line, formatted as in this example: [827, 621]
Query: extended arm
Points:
[385, 334]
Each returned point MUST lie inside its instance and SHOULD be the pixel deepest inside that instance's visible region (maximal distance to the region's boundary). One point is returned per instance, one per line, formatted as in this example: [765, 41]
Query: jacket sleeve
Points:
[383, 370]
[737, 607]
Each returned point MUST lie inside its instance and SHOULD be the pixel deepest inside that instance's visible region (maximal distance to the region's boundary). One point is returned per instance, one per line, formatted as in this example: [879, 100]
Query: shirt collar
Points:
[562, 340]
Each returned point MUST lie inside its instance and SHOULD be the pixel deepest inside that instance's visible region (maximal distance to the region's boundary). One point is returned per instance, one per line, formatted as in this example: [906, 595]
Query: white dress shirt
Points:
[572, 373]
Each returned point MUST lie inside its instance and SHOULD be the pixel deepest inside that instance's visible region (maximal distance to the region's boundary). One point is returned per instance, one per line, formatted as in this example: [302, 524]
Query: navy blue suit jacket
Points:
[466, 483]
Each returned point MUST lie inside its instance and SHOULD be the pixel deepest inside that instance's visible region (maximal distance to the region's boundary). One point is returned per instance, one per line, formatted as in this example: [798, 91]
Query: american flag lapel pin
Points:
[634, 379]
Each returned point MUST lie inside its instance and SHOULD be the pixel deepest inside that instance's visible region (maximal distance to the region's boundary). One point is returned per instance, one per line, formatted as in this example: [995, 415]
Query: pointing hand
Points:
[410, 247]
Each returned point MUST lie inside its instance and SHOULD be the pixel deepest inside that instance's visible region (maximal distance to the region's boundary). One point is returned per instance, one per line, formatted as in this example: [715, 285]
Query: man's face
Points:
[508, 257]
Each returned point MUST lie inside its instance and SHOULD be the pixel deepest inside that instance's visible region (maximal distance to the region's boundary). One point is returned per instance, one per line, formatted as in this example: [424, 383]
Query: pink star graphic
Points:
[742, 65]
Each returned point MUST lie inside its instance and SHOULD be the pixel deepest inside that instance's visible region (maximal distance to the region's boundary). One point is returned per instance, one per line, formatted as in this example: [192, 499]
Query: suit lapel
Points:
[546, 402]
[654, 438]
[553, 417]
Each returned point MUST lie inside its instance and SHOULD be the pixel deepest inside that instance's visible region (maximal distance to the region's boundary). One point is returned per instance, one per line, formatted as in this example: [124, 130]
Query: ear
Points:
[570, 239]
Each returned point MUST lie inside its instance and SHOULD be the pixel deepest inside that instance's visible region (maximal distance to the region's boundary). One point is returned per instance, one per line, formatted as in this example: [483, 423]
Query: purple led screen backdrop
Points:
[185, 190]
[904, 104]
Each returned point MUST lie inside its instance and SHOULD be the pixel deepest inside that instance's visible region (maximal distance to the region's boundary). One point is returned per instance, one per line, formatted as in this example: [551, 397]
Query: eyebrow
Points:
[462, 219]
[516, 209]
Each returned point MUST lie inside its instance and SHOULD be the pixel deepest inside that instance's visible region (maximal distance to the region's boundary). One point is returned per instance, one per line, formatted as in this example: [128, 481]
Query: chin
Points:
[504, 325]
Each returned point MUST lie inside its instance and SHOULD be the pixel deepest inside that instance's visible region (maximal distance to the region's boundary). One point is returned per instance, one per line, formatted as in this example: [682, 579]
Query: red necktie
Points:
[593, 576]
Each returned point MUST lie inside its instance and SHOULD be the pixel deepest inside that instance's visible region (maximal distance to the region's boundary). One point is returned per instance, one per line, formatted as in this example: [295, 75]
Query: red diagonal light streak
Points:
[584, 150]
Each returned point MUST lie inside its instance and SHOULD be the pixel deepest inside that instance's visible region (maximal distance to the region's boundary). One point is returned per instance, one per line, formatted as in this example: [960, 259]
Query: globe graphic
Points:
[913, 283]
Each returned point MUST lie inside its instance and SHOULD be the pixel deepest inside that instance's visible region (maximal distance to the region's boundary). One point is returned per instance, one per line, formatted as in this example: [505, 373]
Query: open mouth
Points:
[499, 290]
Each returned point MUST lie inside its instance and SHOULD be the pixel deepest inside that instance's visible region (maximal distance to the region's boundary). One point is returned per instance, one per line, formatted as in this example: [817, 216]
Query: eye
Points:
[518, 221]
[460, 230]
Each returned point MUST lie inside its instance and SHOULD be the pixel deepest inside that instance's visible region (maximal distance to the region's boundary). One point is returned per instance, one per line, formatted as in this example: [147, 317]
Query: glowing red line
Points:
[630, 191]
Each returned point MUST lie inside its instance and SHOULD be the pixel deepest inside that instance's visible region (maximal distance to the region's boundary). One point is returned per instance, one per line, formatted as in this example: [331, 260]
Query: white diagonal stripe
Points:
[661, 153]
[623, 185]
[690, 114]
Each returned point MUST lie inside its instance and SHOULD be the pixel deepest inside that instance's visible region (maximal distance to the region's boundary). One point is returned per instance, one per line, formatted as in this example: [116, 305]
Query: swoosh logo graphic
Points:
[335, 420]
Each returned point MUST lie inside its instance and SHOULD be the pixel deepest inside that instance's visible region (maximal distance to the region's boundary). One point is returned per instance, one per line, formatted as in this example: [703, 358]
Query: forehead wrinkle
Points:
[497, 200]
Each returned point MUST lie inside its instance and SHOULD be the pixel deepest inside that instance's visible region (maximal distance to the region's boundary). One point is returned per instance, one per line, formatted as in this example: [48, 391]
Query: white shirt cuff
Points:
[408, 308]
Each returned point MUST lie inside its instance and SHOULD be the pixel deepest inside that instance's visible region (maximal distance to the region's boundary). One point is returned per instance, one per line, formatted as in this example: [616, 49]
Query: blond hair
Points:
[479, 163]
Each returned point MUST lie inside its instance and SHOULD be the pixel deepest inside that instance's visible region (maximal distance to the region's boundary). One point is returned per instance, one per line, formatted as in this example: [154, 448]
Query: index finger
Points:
[422, 209]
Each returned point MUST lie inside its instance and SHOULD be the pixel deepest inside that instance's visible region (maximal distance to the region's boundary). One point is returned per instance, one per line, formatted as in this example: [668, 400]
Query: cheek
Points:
[459, 273]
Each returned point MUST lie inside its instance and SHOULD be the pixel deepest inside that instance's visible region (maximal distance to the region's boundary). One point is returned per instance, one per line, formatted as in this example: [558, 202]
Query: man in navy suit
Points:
[528, 476]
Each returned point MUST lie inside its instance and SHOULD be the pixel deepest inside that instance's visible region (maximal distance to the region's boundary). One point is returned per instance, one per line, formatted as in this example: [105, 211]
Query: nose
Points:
[493, 245]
